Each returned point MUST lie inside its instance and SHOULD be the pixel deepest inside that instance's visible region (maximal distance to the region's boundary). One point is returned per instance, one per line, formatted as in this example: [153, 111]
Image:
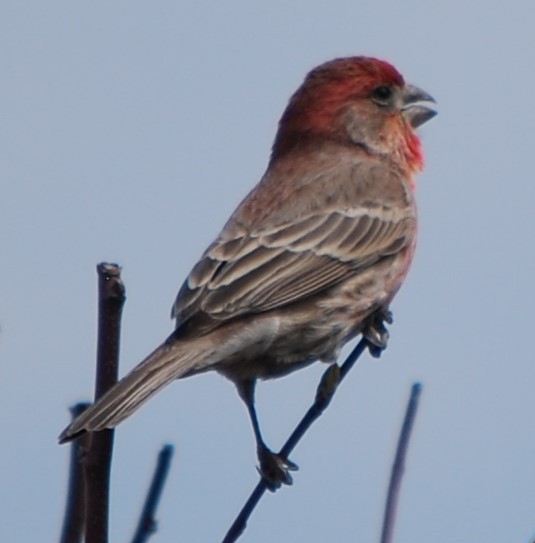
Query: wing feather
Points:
[257, 272]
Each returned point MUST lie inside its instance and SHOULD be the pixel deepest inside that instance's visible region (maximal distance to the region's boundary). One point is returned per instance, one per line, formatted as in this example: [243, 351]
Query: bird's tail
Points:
[168, 362]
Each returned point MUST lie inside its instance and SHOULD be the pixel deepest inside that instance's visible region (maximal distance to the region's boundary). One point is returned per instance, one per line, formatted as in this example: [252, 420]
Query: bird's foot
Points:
[376, 332]
[275, 469]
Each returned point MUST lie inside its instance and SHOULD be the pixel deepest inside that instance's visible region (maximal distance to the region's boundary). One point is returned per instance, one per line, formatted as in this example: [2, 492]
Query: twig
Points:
[98, 461]
[73, 522]
[332, 377]
[147, 521]
[398, 467]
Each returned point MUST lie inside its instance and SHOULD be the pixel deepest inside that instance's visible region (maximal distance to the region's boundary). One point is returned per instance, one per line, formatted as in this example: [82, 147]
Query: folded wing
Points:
[260, 271]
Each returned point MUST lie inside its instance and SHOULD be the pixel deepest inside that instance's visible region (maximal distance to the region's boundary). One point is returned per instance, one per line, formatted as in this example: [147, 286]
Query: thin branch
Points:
[147, 521]
[98, 460]
[330, 380]
[398, 468]
[73, 521]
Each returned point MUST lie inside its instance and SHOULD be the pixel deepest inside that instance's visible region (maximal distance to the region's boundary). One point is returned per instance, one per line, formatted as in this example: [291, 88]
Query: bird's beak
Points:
[415, 113]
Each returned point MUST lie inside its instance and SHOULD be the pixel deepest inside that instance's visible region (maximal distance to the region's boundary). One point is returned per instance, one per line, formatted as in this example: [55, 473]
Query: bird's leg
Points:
[375, 331]
[273, 467]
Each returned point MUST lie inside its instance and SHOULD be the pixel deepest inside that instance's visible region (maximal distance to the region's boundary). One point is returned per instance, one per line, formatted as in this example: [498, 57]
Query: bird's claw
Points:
[376, 332]
[274, 469]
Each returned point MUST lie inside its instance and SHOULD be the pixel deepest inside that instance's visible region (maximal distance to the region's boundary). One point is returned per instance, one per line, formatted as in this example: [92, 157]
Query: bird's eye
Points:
[382, 94]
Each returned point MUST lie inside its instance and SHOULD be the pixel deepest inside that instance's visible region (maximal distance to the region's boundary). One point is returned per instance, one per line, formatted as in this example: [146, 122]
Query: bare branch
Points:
[73, 522]
[147, 521]
[398, 468]
[98, 460]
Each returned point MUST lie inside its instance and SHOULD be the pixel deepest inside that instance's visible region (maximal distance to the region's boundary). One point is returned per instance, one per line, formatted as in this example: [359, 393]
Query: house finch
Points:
[311, 258]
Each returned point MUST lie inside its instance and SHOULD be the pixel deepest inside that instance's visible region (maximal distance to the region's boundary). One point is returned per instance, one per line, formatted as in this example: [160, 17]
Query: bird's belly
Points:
[283, 341]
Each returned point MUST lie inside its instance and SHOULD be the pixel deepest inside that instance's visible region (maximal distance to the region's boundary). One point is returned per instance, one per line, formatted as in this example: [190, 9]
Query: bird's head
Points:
[358, 101]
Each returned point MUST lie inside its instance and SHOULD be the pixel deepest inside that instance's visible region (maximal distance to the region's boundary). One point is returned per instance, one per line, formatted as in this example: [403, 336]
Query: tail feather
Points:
[167, 363]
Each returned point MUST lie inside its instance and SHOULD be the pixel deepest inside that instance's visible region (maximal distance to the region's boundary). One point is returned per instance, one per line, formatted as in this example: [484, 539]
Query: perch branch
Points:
[330, 380]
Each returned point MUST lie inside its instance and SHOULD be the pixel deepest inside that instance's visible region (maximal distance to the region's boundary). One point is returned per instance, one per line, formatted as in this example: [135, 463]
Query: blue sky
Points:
[129, 131]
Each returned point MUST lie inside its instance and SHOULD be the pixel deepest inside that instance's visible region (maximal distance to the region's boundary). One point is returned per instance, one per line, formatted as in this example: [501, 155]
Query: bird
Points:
[309, 260]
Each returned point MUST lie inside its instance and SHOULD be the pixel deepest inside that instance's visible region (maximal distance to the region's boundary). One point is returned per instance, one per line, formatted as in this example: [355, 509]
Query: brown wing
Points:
[255, 272]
